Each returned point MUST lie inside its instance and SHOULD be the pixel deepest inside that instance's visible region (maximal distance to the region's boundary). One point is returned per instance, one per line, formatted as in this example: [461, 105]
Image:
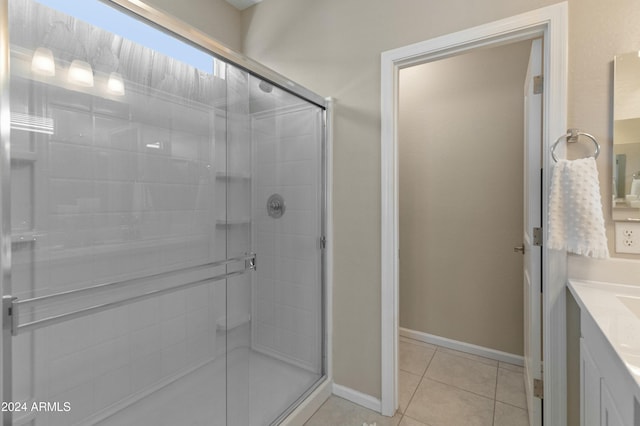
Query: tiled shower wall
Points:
[287, 290]
[108, 208]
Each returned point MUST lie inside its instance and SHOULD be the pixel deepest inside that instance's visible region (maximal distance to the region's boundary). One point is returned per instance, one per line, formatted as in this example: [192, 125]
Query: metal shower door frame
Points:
[180, 30]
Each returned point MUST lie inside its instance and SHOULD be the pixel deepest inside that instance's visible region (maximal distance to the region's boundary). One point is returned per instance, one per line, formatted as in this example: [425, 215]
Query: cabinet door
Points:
[589, 389]
[608, 411]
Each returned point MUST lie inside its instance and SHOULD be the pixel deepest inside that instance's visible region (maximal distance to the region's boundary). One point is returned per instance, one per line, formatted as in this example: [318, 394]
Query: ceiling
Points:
[242, 4]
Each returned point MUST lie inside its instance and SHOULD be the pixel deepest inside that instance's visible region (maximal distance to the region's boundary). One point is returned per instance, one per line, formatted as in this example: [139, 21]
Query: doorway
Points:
[551, 24]
[461, 212]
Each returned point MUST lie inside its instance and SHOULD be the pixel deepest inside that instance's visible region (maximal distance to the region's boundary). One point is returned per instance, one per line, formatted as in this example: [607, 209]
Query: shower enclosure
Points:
[162, 224]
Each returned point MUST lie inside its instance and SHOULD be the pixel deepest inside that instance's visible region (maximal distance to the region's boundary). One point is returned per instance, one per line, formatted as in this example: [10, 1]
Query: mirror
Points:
[626, 137]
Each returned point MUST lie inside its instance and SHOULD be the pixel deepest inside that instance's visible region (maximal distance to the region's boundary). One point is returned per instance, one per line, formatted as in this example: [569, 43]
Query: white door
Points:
[532, 219]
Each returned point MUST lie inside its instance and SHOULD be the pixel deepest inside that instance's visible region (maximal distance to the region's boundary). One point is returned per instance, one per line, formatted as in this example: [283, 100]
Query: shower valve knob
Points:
[276, 206]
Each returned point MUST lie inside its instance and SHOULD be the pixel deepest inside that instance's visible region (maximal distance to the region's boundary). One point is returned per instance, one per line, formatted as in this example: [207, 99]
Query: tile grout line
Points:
[460, 389]
[416, 389]
[509, 403]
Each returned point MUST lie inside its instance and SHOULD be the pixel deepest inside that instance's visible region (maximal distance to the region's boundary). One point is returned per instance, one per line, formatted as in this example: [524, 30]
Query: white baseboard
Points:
[357, 397]
[310, 405]
[463, 347]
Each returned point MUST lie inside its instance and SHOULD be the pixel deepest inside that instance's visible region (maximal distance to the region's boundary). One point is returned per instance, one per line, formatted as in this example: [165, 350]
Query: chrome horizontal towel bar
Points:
[85, 291]
[12, 305]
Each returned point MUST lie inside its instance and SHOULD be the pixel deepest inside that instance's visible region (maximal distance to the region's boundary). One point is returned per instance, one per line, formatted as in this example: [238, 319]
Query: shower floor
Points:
[259, 389]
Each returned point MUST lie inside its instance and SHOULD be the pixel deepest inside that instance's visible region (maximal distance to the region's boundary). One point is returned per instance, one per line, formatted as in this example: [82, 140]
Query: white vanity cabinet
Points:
[609, 414]
[609, 353]
[597, 405]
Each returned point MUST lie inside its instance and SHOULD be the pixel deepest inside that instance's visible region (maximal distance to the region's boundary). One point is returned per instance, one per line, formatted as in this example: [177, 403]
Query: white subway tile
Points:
[297, 148]
[111, 324]
[174, 358]
[71, 370]
[173, 331]
[69, 337]
[146, 371]
[299, 246]
[81, 400]
[297, 173]
[266, 312]
[199, 322]
[111, 355]
[112, 387]
[197, 297]
[301, 222]
[144, 314]
[145, 341]
[173, 305]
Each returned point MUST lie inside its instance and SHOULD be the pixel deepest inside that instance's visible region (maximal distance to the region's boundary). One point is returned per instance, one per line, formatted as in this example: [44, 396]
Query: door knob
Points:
[519, 249]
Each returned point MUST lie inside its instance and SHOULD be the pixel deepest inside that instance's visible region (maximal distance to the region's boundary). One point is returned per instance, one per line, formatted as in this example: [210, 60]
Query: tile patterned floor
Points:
[441, 387]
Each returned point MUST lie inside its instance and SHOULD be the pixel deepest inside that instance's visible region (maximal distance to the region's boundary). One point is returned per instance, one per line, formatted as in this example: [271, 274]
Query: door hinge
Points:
[538, 388]
[537, 237]
[538, 84]
[323, 242]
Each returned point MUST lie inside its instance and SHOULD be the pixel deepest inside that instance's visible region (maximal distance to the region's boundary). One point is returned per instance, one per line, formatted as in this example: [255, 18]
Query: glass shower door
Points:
[147, 179]
[119, 195]
[275, 353]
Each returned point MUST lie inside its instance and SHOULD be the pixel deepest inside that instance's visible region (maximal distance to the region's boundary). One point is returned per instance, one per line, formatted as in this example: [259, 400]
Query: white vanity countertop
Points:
[617, 322]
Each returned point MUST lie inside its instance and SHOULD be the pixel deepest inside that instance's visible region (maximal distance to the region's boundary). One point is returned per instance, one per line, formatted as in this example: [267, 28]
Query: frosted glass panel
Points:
[276, 357]
[116, 175]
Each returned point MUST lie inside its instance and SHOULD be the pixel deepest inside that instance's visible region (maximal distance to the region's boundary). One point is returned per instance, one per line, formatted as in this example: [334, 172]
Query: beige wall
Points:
[334, 46]
[216, 18]
[598, 31]
[461, 204]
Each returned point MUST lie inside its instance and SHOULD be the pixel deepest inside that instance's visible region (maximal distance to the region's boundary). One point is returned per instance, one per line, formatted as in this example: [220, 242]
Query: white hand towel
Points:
[576, 223]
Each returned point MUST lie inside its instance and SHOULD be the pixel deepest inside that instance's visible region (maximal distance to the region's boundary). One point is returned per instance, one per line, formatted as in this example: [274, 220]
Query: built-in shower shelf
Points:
[24, 156]
[233, 222]
[236, 176]
[232, 321]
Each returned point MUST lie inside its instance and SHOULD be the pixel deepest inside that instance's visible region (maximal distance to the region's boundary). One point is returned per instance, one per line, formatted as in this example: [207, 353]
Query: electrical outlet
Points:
[628, 237]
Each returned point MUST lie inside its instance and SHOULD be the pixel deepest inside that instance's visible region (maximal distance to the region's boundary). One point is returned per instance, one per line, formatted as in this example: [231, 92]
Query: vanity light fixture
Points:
[115, 84]
[80, 73]
[42, 62]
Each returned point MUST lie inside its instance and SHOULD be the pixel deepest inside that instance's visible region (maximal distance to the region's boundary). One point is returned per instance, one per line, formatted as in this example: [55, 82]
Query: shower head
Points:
[265, 87]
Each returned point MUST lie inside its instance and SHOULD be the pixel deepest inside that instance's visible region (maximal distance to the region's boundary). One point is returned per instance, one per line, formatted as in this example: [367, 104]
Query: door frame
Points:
[551, 23]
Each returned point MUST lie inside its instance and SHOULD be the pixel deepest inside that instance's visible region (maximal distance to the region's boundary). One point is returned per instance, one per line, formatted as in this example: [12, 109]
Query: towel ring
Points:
[571, 137]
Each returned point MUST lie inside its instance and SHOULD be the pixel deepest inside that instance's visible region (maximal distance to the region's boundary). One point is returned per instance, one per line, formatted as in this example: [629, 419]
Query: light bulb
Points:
[43, 63]
[115, 84]
[80, 73]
